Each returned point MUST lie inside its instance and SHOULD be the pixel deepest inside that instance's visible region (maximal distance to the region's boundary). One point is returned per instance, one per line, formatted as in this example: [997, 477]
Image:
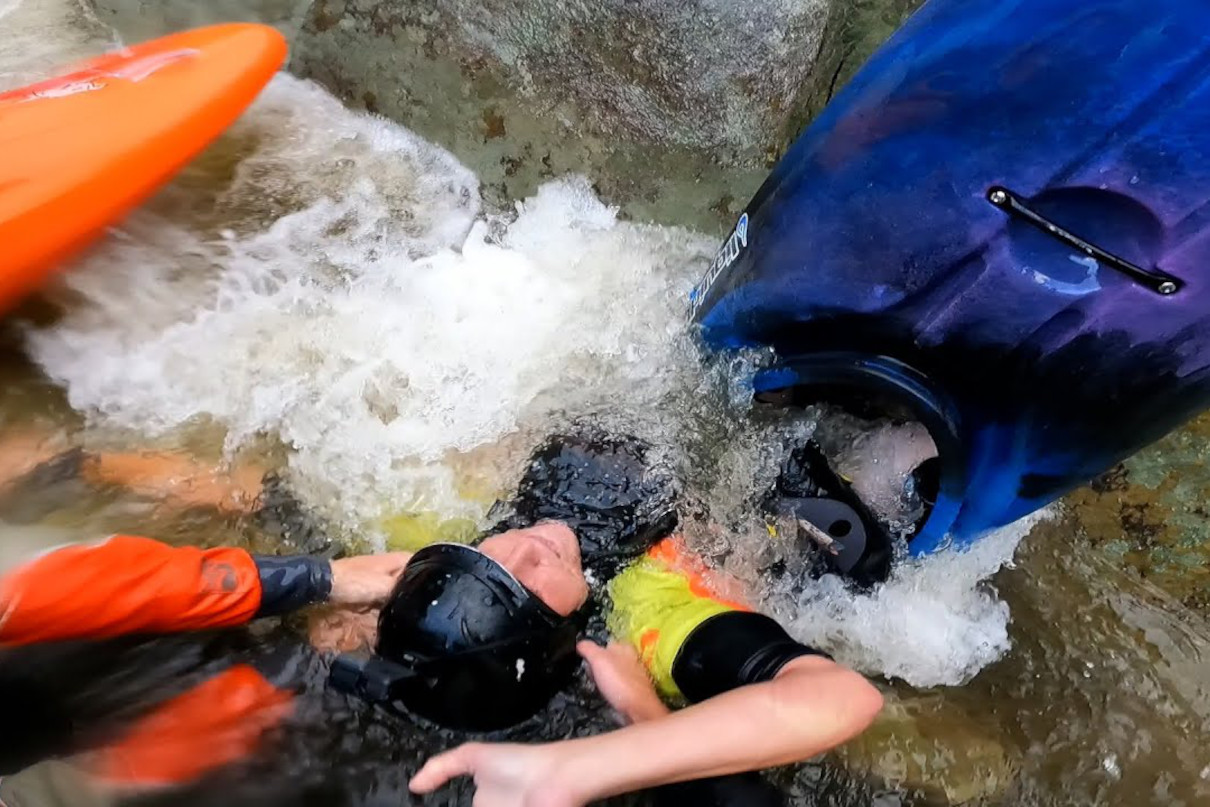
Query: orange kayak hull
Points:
[79, 151]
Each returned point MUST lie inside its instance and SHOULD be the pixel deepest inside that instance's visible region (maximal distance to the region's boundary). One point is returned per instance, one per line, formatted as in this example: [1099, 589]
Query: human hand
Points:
[623, 681]
[366, 579]
[506, 774]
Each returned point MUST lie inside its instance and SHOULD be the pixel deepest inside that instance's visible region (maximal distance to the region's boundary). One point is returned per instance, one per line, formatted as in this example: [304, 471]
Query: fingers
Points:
[614, 653]
[623, 650]
[596, 656]
[444, 767]
[589, 650]
[366, 579]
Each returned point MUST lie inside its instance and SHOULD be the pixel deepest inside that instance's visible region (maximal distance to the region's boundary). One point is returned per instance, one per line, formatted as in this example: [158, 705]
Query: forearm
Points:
[291, 582]
[813, 706]
[53, 783]
[127, 585]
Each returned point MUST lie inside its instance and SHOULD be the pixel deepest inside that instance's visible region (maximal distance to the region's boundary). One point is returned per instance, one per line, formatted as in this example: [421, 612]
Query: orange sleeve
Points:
[220, 722]
[126, 585]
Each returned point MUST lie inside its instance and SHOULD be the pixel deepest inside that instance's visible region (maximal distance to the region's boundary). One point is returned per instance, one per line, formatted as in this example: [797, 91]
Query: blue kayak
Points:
[1001, 224]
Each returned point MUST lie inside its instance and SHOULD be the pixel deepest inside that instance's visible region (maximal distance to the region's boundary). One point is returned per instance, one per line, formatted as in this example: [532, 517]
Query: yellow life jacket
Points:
[660, 599]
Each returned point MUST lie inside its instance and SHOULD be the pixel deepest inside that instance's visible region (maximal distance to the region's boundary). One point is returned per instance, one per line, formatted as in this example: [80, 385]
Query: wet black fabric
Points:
[290, 582]
[738, 790]
[609, 490]
[732, 650]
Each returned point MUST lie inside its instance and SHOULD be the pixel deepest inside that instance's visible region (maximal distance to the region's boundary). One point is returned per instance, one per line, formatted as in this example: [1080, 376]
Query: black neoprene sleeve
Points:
[731, 650]
[290, 582]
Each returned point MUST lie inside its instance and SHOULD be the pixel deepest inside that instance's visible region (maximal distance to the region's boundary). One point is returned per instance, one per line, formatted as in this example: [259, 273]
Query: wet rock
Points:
[1151, 514]
[675, 110]
[856, 28]
[672, 109]
[36, 39]
[137, 20]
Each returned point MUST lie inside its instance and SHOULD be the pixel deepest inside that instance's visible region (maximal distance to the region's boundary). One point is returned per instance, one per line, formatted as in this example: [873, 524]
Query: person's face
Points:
[546, 560]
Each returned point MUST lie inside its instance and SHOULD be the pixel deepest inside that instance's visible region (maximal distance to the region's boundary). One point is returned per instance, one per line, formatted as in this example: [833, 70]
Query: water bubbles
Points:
[931, 624]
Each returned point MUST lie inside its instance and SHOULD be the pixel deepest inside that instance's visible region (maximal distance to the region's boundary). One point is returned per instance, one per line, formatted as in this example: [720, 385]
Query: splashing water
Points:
[330, 280]
[344, 292]
[41, 38]
[934, 623]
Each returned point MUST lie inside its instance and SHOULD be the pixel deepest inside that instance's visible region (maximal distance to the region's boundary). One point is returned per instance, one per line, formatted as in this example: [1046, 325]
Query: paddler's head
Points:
[481, 638]
[612, 491]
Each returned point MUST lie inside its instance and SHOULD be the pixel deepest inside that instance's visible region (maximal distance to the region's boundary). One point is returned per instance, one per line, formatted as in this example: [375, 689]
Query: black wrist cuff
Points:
[732, 650]
[290, 582]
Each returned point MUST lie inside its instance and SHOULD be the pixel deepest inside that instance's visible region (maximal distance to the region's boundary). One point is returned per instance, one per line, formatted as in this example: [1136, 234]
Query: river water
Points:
[328, 294]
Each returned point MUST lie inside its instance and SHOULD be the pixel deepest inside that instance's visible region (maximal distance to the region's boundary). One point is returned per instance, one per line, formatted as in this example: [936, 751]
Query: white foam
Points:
[40, 37]
[934, 623]
[879, 462]
[379, 321]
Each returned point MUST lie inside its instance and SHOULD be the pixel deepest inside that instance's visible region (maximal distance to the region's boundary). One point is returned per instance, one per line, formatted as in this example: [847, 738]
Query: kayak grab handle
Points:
[1014, 205]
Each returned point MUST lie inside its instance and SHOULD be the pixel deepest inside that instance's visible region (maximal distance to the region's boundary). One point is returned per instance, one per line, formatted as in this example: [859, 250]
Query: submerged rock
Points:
[1150, 515]
[924, 743]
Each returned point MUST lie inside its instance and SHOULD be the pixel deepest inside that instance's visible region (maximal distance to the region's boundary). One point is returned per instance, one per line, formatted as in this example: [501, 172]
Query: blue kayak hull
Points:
[876, 256]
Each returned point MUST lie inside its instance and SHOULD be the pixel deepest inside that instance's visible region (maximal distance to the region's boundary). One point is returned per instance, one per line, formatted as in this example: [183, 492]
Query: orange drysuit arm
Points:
[127, 585]
[219, 722]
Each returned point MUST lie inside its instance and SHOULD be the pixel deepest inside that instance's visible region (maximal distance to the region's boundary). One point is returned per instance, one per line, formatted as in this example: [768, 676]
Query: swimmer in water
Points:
[481, 638]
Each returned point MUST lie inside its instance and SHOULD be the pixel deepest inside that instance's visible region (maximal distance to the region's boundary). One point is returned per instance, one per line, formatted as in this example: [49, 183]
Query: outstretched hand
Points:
[366, 580]
[506, 774]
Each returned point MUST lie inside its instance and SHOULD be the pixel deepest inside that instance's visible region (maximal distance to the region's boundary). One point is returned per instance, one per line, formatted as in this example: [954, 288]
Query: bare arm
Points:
[810, 706]
[173, 477]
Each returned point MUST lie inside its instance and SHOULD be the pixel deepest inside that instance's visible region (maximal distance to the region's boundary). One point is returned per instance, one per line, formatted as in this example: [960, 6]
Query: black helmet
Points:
[462, 643]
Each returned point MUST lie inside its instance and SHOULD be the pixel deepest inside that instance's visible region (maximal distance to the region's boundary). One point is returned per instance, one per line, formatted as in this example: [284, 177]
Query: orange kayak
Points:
[79, 151]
